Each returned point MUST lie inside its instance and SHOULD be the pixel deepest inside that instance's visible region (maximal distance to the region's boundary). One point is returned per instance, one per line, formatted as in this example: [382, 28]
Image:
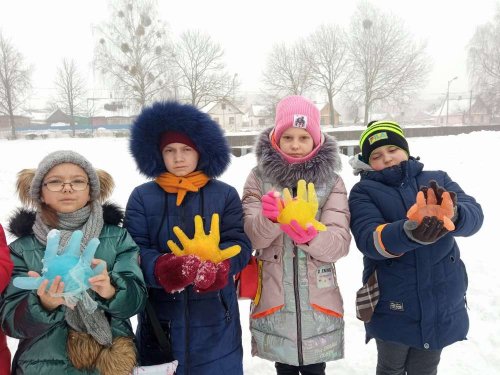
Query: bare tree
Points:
[201, 69]
[70, 88]
[286, 72]
[483, 63]
[389, 66]
[326, 54]
[15, 80]
[134, 50]
[351, 102]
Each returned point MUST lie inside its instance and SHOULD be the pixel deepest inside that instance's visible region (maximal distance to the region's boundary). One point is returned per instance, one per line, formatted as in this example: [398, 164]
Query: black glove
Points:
[438, 192]
[428, 231]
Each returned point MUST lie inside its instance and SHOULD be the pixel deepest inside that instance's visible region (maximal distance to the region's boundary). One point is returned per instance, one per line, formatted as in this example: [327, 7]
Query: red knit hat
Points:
[176, 137]
[298, 112]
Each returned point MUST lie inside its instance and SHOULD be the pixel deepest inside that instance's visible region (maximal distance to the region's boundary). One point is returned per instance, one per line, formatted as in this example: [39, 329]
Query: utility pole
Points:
[448, 97]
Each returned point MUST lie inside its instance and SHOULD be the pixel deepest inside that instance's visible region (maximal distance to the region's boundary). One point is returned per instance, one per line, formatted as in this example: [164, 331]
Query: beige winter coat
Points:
[298, 317]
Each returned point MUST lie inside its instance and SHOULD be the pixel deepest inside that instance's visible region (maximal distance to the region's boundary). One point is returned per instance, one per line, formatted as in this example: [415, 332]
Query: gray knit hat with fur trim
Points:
[59, 157]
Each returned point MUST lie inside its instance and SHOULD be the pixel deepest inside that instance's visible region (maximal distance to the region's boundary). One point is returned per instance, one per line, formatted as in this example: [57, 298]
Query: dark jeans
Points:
[399, 359]
[315, 369]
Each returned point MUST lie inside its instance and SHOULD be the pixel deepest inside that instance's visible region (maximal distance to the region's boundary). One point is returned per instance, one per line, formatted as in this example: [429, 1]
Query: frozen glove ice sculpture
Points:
[204, 246]
[302, 208]
[73, 266]
[429, 207]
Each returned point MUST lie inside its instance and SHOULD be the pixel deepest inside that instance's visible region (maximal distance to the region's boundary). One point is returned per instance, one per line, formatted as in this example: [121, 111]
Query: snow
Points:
[468, 159]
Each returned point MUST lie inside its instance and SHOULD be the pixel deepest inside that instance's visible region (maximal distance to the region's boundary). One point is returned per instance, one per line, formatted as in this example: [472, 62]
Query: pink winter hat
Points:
[299, 112]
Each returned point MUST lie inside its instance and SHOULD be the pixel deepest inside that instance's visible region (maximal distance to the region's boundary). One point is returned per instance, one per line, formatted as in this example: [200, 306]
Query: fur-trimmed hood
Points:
[319, 169]
[206, 134]
[22, 220]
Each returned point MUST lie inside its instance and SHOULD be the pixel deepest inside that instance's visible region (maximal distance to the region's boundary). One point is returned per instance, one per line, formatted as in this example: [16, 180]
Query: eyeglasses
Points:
[58, 185]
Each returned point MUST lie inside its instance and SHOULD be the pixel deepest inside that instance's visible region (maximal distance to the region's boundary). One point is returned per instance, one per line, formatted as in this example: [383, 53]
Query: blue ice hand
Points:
[73, 267]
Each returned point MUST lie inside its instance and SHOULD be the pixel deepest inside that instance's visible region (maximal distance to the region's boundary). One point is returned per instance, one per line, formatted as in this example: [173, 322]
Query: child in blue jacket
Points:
[189, 228]
[422, 280]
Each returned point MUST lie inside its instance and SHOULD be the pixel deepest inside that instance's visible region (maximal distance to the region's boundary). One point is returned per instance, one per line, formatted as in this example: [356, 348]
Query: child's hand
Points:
[175, 273]
[438, 193]
[428, 207]
[47, 299]
[428, 231]
[211, 276]
[101, 283]
[297, 233]
[271, 205]
[302, 208]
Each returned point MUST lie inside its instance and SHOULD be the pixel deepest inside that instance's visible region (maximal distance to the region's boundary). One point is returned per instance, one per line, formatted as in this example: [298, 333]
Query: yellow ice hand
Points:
[302, 208]
[204, 246]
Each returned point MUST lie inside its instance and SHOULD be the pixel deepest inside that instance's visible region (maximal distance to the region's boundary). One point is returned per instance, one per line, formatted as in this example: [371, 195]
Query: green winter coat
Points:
[42, 334]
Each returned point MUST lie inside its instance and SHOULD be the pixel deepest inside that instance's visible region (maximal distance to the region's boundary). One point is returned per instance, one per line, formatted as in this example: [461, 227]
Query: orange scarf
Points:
[181, 185]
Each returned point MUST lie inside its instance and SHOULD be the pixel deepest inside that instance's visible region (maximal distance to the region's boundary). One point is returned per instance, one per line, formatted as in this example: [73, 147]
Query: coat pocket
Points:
[367, 298]
[324, 293]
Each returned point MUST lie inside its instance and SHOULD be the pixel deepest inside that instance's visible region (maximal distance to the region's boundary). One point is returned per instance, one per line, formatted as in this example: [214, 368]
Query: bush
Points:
[84, 135]
[121, 134]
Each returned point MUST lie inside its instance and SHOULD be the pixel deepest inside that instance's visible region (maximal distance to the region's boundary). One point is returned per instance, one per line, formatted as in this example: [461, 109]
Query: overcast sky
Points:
[46, 31]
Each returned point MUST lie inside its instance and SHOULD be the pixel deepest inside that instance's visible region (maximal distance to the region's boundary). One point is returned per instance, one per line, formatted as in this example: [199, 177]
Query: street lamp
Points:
[448, 97]
[368, 63]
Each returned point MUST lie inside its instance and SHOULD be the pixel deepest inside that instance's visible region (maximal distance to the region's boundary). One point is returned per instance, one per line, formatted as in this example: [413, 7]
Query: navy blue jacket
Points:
[422, 290]
[205, 327]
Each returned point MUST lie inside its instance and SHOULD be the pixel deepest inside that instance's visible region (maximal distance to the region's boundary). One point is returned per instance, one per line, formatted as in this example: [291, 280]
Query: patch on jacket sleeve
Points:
[325, 277]
[396, 306]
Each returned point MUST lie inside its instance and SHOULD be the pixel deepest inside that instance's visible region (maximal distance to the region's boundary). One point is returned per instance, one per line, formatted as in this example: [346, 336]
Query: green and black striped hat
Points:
[381, 133]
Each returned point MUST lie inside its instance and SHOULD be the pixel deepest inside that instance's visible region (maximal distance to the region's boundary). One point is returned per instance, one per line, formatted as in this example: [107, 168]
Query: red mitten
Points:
[221, 277]
[206, 275]
[175, 273]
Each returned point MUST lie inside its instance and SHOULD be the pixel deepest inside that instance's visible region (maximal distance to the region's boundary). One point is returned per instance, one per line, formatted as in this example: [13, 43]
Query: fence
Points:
[242, 143]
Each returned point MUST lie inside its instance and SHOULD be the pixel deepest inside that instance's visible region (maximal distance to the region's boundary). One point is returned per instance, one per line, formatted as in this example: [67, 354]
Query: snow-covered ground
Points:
[469, 159]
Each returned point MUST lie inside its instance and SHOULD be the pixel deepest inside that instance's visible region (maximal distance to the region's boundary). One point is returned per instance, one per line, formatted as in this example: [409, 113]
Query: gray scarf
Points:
[89, 220]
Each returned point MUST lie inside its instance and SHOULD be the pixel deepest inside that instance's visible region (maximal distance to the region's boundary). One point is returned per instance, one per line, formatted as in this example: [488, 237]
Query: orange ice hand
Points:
[429, 208]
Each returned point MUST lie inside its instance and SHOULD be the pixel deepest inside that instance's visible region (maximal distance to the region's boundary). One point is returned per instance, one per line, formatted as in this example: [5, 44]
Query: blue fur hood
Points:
[206, 134]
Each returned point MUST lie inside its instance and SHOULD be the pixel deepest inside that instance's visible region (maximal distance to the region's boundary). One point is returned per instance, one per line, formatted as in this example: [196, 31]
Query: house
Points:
[462, 110]
[225, 113]
[19, 121]
[324, 110]
[60, 117]
[109, 111]
[259, 117]
[420, 117]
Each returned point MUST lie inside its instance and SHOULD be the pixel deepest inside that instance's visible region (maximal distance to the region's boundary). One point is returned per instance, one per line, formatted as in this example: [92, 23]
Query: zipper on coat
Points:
[298, 313]
[186, 292]
[227, 313]
[186, 347]
[162, 225]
